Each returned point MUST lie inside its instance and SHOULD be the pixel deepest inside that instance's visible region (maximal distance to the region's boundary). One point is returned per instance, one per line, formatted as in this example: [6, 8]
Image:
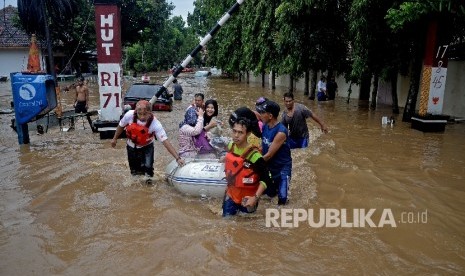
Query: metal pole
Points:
[49, 42]
[162, 91]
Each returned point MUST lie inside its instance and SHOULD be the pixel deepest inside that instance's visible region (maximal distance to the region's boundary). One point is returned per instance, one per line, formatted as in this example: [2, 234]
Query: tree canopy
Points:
[357, 38]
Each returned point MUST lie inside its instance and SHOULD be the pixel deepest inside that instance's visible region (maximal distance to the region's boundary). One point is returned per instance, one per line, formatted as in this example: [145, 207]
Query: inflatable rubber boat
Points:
[198, 177]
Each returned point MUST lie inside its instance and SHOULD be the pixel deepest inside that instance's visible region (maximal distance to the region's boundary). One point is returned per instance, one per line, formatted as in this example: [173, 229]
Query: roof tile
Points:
[10, 35]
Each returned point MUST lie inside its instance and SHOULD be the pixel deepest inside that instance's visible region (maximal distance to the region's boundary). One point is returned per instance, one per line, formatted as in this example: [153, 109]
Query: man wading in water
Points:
[81, 101]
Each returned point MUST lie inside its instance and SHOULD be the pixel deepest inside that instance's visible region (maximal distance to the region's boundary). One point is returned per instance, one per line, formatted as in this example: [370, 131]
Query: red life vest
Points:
[140, 134]
[238, 169]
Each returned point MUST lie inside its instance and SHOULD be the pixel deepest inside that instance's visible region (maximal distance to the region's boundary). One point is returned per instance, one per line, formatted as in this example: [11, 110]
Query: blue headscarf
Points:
[190, 117]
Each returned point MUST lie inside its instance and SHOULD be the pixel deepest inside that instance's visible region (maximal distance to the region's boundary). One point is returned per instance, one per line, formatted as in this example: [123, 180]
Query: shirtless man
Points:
[81, 102]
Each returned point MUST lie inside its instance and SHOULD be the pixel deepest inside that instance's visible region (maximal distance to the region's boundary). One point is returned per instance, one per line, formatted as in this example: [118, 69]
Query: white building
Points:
[14, 44]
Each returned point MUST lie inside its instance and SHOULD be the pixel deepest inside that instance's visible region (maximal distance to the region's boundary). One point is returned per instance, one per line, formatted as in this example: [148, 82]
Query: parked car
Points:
[201, 74]
[185, 70]
[145, 91]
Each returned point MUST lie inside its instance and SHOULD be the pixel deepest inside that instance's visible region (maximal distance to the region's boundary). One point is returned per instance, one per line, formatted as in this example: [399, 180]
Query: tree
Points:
[370, 36]
[312, 37]
[257, 34]
[36, 16]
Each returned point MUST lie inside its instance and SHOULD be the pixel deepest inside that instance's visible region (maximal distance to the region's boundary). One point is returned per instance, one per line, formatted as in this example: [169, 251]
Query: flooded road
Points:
[68, 205]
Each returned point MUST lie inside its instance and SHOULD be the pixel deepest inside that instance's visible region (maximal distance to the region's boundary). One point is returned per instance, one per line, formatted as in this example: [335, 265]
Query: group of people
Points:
[199, 127]
[251, 170]
[326, 91]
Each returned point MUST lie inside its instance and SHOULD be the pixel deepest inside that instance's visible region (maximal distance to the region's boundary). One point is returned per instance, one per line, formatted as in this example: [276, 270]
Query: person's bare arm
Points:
[86, 89]
[173, 152]
[278, 141]
[76, 94]
[118, 132]
[210, 125]
[323, 127]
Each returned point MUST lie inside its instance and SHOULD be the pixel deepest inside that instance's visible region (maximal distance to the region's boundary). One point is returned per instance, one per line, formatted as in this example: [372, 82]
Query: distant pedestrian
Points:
[177, 90]
[321, 89]
[331, 88]
[145, 78]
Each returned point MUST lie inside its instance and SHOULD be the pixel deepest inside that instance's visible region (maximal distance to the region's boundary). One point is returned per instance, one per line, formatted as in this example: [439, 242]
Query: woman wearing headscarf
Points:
[191, 126]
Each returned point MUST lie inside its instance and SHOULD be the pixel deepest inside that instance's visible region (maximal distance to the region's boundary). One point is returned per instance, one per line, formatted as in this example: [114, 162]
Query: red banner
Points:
[108, 32]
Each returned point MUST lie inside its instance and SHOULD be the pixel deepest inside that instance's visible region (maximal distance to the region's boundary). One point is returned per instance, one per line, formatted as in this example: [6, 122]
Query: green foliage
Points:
[354, 37]
[407, 12]
[312, 35]
[411, 11]
[34, 14]
[225, 49]
[257, 36]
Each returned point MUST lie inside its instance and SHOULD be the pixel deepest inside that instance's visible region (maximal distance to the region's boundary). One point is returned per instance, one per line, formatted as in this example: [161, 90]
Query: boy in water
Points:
[246, 171]
[141, 129]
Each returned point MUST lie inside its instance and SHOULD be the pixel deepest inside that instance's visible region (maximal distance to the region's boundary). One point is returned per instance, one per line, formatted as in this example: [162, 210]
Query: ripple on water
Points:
[68, 202]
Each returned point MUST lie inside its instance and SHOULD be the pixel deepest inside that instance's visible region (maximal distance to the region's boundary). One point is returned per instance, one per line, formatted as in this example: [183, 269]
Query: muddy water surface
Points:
[69, 207]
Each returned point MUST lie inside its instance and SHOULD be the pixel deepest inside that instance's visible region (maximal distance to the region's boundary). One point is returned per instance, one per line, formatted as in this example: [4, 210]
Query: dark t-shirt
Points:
[331, 88]
[297, 124]
[283, 156]
[177, 91]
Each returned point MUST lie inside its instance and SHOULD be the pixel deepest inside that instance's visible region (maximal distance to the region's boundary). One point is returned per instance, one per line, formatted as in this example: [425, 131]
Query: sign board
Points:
[438, 81]
[109, 56]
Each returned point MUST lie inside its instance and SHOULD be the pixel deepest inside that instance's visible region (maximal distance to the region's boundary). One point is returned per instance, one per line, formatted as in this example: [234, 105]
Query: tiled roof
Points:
[11, 36]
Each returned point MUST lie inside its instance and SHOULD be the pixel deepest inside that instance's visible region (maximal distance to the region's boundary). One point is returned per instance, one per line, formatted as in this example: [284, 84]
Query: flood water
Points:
[68, 205]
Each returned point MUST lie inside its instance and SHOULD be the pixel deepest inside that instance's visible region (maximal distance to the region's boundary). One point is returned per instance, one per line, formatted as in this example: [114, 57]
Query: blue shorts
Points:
[321, 96]
[297, 143]
[230, 207]
[280, 184]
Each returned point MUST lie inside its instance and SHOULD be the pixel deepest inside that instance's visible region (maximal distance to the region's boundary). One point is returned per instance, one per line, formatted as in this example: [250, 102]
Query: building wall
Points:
[299, 85]
[14, 60]
[454, 94]
[385, 95]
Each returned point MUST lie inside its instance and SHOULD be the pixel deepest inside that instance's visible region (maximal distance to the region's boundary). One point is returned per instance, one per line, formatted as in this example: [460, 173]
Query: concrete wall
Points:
[14, 60]
[299, 84]
[385, 95]
[454, 94]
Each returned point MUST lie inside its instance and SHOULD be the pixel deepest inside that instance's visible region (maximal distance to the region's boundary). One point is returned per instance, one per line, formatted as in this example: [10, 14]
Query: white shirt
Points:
[322, 86]
[155, 126]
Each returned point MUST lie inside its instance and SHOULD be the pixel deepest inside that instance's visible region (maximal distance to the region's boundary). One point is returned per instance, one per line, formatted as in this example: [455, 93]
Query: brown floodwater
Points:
[68, 205]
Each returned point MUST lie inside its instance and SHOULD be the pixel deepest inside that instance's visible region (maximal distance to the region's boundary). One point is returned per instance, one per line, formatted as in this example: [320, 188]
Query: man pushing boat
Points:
[141, 129]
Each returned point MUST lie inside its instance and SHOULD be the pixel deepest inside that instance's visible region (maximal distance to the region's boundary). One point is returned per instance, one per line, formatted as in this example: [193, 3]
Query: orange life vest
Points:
[140, 134]
[238, 169]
